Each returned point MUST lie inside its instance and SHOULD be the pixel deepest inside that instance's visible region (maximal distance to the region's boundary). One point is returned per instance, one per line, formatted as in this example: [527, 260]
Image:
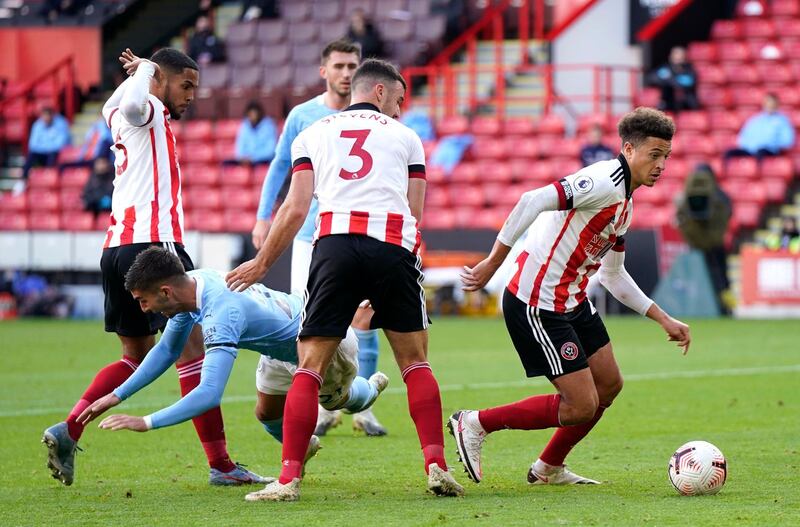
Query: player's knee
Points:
[264, 414]
[578, 410]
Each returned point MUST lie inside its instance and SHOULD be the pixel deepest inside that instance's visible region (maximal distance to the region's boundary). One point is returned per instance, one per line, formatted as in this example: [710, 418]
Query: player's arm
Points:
[217, 367]
[416, 197]
[164, 354]
[135, 105]
[616, 279]
[527, 209]
[416, 176]
[276, 175]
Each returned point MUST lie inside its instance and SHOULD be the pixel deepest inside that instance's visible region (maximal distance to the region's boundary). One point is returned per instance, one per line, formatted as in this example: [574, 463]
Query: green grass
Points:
[736, 389]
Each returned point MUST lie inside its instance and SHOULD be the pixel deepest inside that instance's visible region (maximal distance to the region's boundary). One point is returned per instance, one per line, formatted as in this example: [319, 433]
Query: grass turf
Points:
[735, 389]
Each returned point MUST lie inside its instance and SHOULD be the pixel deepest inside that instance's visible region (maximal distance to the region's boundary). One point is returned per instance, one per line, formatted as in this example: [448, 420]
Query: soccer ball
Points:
[698, 468]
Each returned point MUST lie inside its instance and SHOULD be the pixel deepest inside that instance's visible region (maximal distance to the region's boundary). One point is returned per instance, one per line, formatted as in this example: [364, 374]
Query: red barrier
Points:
[770, 278]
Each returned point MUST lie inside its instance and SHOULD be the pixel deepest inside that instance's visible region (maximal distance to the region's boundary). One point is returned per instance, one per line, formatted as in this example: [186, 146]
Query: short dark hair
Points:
[342, 45]
[376, 71]
[636, 126]
[173, 60]
[153, 267]
[254, 105]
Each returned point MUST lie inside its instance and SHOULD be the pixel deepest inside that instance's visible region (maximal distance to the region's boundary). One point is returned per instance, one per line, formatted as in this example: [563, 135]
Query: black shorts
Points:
[345, 270]
[553, 344]
[123, 315]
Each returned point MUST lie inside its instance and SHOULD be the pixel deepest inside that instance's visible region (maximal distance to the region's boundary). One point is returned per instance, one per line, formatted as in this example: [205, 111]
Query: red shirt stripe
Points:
[578, 256]
[175, 181]
[394, 228]
[359, 222]
[126, 237]
[325, 223]
[537, 284]
[154, 203]
[513, 285]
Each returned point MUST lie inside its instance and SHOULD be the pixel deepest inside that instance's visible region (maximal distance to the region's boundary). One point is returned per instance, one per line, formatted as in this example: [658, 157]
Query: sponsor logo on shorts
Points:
[569, 351]
[583, 184]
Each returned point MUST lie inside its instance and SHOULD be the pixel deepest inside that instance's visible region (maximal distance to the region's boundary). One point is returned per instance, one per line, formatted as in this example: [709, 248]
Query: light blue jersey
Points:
[299, 118]
[257, 319]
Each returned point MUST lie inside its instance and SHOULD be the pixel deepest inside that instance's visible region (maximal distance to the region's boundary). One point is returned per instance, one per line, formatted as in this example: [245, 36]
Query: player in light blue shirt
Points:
[339, 61]
[257, 319]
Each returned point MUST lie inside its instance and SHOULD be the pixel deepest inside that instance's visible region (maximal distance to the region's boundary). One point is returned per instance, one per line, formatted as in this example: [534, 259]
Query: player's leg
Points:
[124, 317]
[367, 366]
[607, 379]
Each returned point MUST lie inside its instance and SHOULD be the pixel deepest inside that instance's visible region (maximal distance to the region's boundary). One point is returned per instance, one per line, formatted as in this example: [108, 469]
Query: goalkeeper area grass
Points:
[737, 388]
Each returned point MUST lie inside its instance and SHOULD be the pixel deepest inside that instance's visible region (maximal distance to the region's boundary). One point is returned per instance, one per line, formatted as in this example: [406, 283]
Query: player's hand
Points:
[94, 410]
[244, 276]
[477, 277]
[123, 422]
[260, 232]
[678, 332]
[130, 62]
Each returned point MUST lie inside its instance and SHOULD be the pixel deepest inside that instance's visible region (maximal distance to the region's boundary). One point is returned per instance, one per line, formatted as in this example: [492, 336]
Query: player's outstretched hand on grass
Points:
[124, 422]
[94, 410]
[678, 332]
[473, 279]
[244, 276]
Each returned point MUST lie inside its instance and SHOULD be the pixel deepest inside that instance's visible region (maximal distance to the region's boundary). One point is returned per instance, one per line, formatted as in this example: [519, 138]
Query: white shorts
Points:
[301, 261]
[274, 377]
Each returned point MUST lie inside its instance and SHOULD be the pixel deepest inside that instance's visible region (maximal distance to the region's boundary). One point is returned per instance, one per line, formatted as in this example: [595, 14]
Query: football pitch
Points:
[736, 388]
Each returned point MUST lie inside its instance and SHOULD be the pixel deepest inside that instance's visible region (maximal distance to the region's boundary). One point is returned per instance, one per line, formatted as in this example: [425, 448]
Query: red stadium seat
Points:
[523, 147]
[435, 218]
[71, 199]
[693, 121]
[270, 31]
[648, 97]
[784, 8]
[326, 11]
[788, 27]
[13, 221]
[552, 124]
[563, 167]
[733, 52]
[741, 168]
[198, 152]
[741, 74]
[206, 221]
[687, 144]
[199, 130]
[227, 128]
[494, 170]
[431, 28]
[747, 97]
[75, 177]
[395, 30]
[435, 175]
[238, 198]
[712, 74]
[14, 130]
[757, 28]
[486, 147]
[43, 200]
[779, 167]
[493, 193]
[457, 124]
[549, 144]
[726, 30]
[702, 51]
[45, 178]
[11, 203]
[540, 173]
[68, 154]
[746, 215]
[772, 73]
[44, 221]
[676, 169]
[588, 120]
[236, 176]
[488, 218]
[241, 33]
[482, 125]
[775, 189]
[224, 149]
[570, 148]
[238, 221]
[207, 198]
[519, 126]
[723, 120]
[723, 140]
[200, 175]
[437, 196]
[466, 195]
[465, 172]
[77, 221]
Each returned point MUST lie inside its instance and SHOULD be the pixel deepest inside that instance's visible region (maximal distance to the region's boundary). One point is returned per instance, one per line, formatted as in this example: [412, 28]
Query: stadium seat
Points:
[723, 120]
[326, 11]
[77, 221]
[493, 193]
[779, 167]
[746, 74]
[526, 147]
[456, 124]
[205, 221]
[43, 200]
[677, 169]
[552, 124]
[227, 129]
[747, 97]
[588, 120]
[435, 175]
[277, 77]
[389, 8]
[549, 144]
[296, 11]
[200, 174]
[71, 199]
[563, 167]
[206, 104]
[726, 30]
[305, 54]
[14, 130]
[702, 52]
[746, 215]
[10, 221]
[570, 148]
[438, 218]
[238, 221]
[197, 130]
[271, 31]
[775, 189]
[733, 52]
[244, 54]
[13, 203]
[303, 33]
[487, 218]
[757, 28]
[394, 29]
[482, 125]
[332, 30]
[518, 126]
[275, 54]
[741, 168]
[198, 152]
[775, 73]
[538, 173]
[236, 175]
[368, 6]
[43, 177]
[693, 121]
[232, 198]
[723, 140]
[437, 196]
[247, 76]
[788, 27]
[494, 170]
[465, 172]
[44, 221]
[712, 74]
[430, 28]
[466, 195]
[714, 96]
[487, 147]
[242, 33]
[784, 8]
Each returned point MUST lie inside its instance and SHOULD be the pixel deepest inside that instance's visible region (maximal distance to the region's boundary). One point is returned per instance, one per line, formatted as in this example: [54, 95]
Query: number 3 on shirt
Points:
[358, 151]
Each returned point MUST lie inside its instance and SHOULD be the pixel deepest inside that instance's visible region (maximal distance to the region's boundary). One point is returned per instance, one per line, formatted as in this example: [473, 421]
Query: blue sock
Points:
[367, 352]
[362, 395]
[274, 428]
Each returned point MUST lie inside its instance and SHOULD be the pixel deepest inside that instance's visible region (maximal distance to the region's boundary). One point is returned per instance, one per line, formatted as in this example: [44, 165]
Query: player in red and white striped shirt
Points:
[368, 172]
[576, 224]
[146, 210]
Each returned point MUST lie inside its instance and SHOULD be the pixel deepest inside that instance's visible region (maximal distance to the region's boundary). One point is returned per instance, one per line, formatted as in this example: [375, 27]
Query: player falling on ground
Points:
[577, 224]
[368, 173]
[339, 59]
[146, 210]
[258, 319]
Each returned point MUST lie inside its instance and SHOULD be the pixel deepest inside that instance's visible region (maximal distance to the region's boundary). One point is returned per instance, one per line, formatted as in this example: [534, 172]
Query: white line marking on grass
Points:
[539, 381]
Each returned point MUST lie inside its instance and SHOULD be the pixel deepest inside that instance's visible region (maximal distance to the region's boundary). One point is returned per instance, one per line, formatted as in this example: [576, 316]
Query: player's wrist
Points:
[148, 422]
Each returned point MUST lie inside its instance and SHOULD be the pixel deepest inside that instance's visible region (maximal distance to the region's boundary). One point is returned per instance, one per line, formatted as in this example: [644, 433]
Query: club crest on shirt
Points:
[569, 350]
[583, 184]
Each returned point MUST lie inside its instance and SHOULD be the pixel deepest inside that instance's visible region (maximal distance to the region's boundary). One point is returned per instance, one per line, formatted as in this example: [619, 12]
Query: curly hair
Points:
[153, 267]
[635, 127]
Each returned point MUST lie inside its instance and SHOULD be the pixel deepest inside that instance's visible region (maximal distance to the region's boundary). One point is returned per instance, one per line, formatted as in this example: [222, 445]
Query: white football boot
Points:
[541, 473]
[469, 435]
[442, 483]
[276, 491]
[327, 419]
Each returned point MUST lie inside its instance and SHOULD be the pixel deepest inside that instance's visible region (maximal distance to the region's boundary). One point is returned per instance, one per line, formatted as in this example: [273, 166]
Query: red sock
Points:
[533, 413]
[299, 421]
[209, 426]
[425, 407]
[566, 438]
[103, 383]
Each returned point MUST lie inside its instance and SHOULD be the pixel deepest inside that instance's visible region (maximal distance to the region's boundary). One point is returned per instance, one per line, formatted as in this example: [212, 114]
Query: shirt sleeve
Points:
[584, 190]
[278, 169]
[416, 159]
[301, 159]
[136, 106]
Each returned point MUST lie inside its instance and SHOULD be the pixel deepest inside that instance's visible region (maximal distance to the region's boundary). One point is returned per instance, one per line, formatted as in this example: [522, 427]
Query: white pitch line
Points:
[539, 381]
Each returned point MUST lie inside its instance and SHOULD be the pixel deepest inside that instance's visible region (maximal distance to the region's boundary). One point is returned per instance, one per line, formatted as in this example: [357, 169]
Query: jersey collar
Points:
[362, 106]
[627, 171]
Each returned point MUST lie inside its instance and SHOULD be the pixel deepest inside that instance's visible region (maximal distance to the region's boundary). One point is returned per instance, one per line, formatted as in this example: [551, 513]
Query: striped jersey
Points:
[564, 247]
[146, 204]
[362, 161]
